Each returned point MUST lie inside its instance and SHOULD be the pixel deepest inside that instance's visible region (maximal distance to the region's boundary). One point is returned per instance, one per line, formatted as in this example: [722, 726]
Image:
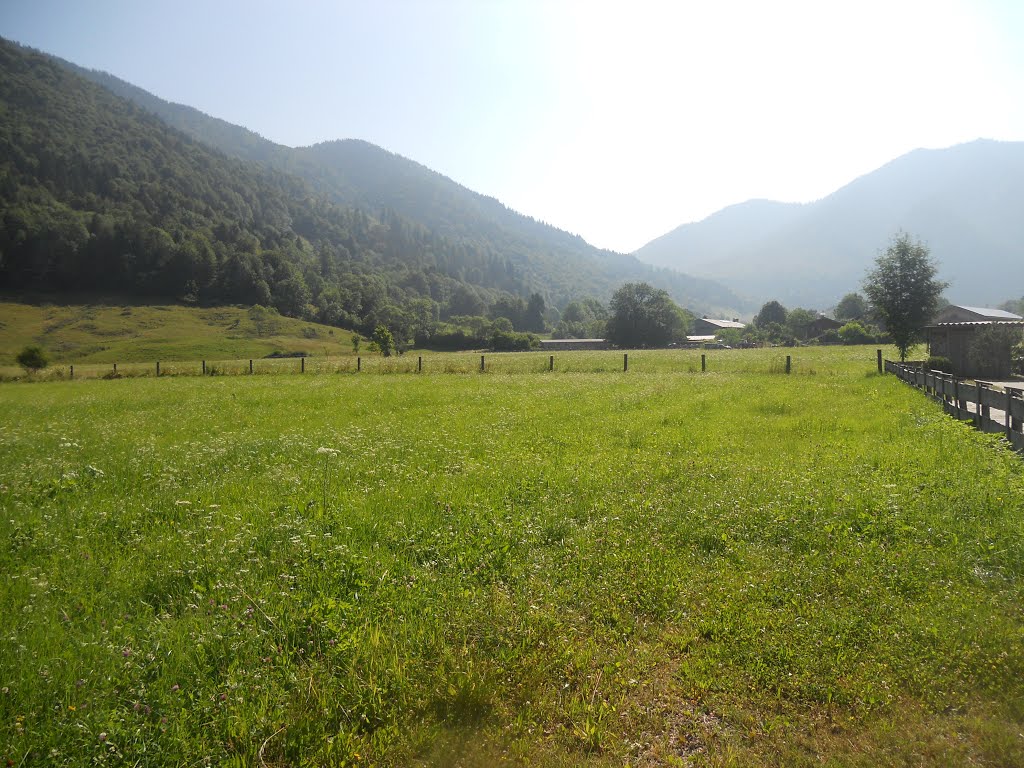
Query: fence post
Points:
[703, 363]
[625, 361]
[250, 366]
[158, 368]
[72, 371]
[1006, 419]
[879, 352]
[789, 363]
[302, 368]
[359, 364]
[204, 367]
[115, 367]
[551, 363]
[1015, 422]
[481, 363]
[419, 364]
[982, 409]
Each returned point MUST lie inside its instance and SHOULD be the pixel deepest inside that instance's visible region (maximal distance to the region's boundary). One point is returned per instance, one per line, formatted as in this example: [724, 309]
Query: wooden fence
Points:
[990, 409]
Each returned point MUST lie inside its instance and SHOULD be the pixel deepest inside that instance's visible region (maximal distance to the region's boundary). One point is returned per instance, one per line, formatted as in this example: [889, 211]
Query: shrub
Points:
[33, 359]
[855, 333]
[937, 363]
[384, 340]
[510, 341]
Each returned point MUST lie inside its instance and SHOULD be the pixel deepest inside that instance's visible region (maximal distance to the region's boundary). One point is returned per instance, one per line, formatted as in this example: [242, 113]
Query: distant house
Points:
[954, 329]
[820, 324]
[571, 344]
[706, 326]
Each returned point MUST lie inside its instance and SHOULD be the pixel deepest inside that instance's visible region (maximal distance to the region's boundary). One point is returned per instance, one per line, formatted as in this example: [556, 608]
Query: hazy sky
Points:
[617, 121]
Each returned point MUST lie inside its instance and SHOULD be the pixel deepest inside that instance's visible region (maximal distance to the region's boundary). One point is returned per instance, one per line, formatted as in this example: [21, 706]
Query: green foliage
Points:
[511, 341]
[384, 340]
[731, 336]
[516, 254]
[644, 316]
[100, 196]
[852, 306]
[904, 290]
[939, 363]
[771, 313]
[534, 317]
[991, 350]
[33, 358]
[855, 333]
[798, 322]
[583, 319]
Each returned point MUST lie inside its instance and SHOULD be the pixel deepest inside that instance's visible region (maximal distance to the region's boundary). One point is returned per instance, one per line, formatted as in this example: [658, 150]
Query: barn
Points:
[954, 331]
[706, 326]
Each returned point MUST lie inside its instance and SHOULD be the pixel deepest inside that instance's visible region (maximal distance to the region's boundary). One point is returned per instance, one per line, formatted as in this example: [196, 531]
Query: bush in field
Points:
[855, 333]
[33, 359]
[384, 340]
[510, 341]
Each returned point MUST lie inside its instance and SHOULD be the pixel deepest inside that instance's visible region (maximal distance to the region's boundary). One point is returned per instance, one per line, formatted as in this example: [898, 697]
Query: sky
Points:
[617, 121]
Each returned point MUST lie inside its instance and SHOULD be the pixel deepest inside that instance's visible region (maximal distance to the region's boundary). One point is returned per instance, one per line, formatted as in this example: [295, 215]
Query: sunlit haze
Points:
[616, 121]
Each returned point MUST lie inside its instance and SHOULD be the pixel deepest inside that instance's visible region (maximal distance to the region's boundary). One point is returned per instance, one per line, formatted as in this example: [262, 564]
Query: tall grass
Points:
[654, 567]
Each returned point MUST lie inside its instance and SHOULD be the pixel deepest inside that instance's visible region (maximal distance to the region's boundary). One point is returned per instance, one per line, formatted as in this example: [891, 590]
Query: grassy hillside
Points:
[652, 568]
[125, 333]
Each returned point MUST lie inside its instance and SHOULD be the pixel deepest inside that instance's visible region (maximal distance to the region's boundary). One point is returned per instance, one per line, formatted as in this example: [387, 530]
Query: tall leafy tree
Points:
[771, 312]
[534, 318]
[644, 316]
[798, 321]
[904, 290]
[851, 307]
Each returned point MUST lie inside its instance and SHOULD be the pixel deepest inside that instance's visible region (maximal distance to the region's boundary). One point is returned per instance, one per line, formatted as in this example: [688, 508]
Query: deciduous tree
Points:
[904, 290]
[771, 312]
[851, 307]
[643, 316]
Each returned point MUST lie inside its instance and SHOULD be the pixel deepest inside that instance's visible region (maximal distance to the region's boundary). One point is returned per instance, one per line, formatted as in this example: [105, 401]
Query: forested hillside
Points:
[547, 260]
[98, 194]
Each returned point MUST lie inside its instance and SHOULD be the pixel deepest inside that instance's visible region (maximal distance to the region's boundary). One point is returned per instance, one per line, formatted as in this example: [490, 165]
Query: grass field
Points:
[584, 567]
[96, 335]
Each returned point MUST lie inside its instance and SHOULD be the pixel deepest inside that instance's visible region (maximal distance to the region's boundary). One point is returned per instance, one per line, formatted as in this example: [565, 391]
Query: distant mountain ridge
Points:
[357, 173]
[964, 202]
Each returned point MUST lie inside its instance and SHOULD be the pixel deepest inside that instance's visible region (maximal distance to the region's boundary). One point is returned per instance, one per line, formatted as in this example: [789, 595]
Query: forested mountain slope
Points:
[98, 194]
[356, 173]
[964, 202]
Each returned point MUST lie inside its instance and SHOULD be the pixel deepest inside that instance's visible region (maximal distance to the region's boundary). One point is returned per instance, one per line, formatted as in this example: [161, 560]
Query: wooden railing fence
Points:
[990, 409]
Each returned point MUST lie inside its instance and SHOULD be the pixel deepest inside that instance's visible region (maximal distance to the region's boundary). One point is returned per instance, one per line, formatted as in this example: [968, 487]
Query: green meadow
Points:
[93, 336]
[582, 566]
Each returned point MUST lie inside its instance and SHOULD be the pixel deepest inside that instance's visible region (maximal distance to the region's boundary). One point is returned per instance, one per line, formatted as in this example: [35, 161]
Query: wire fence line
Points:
[685, 361]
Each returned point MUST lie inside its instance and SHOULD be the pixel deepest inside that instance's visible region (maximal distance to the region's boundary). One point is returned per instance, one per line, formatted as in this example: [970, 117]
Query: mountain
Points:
[963, 202]
[99, 195]
[355, 173]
